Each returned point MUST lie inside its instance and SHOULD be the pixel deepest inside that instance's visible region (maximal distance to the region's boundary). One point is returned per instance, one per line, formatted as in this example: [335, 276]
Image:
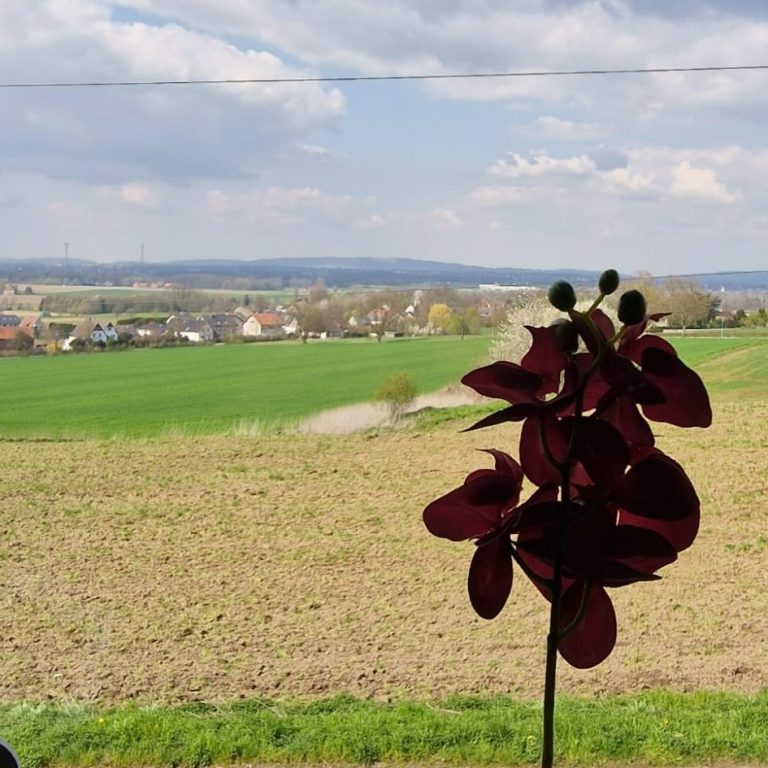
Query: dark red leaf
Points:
[513, 413]
[604, 323]
[602, 451]
[505, 381]
[623, 415]
[617, 574]
[475, 508]
[490, 577]
[506, 465]
[641, 549]
[628, 345]
[679, 533]
[593, 640]
[545, 358]
[657, 487]
[537, 515]
[625, 378]
[686, 400]
[586, 330]
[536, 465]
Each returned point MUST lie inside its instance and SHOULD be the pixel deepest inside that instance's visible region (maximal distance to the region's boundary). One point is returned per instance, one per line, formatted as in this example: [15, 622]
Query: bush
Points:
[398, 392]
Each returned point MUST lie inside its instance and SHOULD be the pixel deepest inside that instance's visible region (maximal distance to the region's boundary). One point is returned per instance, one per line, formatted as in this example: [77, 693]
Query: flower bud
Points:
[609, 282]
[632, 307]
[567, 334]
[562, 296]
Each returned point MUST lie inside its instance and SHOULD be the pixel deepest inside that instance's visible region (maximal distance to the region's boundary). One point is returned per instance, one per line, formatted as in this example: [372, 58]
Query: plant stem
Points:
[550, 674]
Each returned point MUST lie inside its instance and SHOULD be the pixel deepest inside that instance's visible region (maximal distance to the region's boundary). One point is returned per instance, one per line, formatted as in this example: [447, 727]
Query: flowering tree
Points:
[609, 508]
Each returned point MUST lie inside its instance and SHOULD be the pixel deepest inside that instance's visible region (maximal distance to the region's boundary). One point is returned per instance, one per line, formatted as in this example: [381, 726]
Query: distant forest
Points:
[276, 274]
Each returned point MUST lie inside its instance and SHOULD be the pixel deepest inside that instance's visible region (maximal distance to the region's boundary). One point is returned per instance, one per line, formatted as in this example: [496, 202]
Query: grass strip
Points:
[654, 728]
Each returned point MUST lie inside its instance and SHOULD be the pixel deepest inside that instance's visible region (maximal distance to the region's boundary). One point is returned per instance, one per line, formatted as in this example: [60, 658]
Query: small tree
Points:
[398, 391]
[463, 323]
[439, 317]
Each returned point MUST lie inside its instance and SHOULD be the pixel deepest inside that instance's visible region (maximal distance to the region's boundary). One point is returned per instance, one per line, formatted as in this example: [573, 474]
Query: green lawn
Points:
[655, 728]
[210, 389]
[738, 365]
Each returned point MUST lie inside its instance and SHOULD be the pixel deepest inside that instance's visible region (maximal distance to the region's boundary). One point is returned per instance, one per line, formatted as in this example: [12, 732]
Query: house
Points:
[291, 325]
[13, 337]
[33, 323]
[90, 332]
[242, 312]
[41, 334]
[151, 331]
[378, 316]
[264, 325]
[196, 331]
[225, 325]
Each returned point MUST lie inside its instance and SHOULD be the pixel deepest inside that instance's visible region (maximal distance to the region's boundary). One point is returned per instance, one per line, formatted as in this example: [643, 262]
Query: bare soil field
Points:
[298, 566]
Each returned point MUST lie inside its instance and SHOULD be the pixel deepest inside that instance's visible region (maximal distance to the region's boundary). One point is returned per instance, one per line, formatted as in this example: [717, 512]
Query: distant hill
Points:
[335, 272]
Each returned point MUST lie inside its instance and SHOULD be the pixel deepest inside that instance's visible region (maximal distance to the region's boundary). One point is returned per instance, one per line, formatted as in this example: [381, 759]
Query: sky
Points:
[652, 172]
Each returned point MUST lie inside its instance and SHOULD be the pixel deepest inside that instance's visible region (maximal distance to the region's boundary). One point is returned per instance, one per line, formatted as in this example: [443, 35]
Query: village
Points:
[315, 314]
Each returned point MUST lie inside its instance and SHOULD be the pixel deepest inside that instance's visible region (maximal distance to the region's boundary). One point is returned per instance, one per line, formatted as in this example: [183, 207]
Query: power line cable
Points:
[380, 78]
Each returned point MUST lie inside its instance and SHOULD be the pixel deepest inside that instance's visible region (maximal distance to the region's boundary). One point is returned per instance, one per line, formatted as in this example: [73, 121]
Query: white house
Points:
[91, 332]
[196, 331]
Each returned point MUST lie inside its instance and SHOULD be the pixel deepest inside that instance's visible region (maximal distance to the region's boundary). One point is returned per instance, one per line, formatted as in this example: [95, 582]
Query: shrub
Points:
[398, 391]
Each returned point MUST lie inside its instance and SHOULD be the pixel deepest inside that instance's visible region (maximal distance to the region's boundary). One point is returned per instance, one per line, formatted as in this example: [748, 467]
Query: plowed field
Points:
[214, 568]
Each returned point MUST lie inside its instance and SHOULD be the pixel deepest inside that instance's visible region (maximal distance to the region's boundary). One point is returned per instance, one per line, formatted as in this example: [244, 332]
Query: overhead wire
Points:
[381, 78]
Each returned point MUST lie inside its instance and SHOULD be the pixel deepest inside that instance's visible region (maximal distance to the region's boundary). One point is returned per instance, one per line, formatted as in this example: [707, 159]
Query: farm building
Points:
[264, 325]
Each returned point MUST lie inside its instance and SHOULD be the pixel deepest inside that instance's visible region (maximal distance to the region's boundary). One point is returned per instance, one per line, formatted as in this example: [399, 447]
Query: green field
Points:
[215, 389]
[212, 389]
[738, 365]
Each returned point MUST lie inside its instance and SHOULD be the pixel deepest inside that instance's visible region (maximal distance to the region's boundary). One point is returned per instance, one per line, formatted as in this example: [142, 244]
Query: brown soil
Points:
[286, 566]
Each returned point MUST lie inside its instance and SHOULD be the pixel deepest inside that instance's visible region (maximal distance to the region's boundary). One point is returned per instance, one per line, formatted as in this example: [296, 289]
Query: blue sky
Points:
[647, 172]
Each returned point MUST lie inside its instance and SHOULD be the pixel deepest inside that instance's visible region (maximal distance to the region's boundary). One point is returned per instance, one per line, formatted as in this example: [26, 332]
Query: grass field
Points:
[206, 390]
[213, 389]
[646, 729]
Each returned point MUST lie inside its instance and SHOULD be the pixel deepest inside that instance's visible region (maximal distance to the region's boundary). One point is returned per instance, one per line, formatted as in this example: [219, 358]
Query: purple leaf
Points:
[490, 577]
[686, 400]
[594, 638]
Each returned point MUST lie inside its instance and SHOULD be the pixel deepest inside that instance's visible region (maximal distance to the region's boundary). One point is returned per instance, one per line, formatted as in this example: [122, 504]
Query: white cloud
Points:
[445, 218]
[699, 184]
[114, 135]
[499, 195]
[643, 173]
[551, 127]
[283, 204]
[135, 193]
[373, 221]
[412, 36]
[314, 150]
[514, 166]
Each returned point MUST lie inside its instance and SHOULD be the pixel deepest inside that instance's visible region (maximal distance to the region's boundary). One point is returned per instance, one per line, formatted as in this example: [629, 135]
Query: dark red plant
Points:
[609, 508]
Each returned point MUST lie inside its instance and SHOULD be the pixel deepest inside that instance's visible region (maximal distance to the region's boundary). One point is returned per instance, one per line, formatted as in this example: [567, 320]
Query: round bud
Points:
[609, 282]
[632, 307]
[567, 335]
[562, 296]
